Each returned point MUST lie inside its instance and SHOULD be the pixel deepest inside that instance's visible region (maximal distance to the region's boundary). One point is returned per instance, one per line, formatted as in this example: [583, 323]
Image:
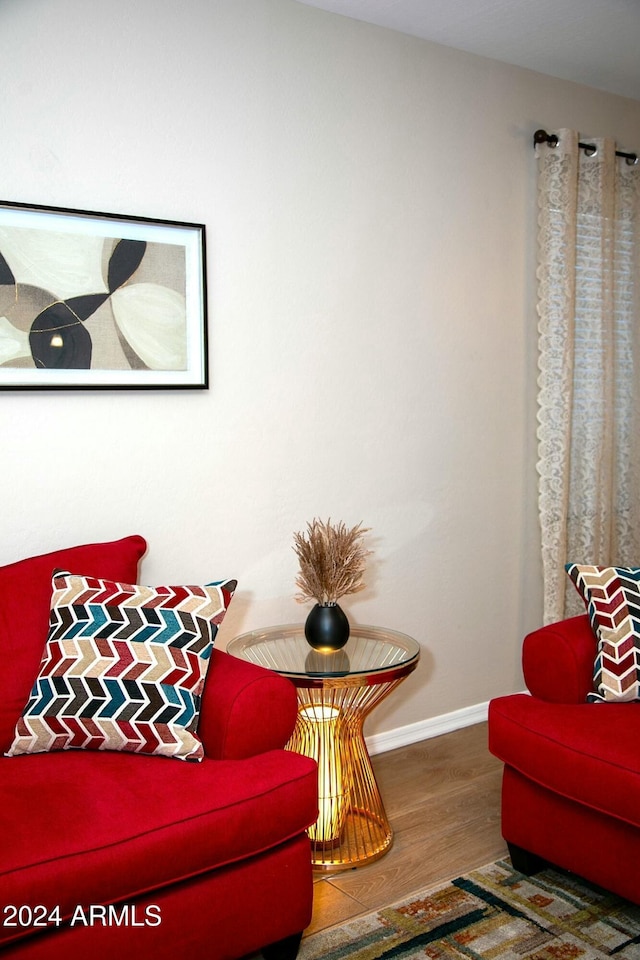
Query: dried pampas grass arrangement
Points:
[332, 559]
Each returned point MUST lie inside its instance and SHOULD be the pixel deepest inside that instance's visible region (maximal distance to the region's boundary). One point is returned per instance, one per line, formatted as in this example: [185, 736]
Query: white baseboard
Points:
[425, 729]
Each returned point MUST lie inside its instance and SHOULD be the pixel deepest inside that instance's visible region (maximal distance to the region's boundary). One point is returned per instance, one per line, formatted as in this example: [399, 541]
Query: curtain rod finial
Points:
[541, 136]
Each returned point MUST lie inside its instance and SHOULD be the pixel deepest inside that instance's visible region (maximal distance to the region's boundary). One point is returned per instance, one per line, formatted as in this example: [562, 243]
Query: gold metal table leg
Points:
[352, 827]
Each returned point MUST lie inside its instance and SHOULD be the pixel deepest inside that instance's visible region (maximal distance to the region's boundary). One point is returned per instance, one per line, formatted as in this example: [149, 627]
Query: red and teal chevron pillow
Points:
[612, 598]
[123, 668]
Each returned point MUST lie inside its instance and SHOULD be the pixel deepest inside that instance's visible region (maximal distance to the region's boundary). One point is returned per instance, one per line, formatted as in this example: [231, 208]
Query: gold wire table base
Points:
[352, 827]
[352, 851]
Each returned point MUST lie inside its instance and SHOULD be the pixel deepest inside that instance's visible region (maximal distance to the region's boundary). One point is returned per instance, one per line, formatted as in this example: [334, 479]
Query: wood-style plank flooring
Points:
[442, 797]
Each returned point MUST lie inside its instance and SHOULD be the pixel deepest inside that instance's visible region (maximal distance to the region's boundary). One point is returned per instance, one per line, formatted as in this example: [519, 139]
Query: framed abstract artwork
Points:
[100, 301]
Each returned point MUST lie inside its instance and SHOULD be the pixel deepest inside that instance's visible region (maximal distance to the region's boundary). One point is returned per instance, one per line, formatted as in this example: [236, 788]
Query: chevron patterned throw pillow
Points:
[123, 668]
[612, 598]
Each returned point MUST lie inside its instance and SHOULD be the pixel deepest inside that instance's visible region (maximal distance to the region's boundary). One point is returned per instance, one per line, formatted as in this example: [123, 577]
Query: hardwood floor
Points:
[442, 797]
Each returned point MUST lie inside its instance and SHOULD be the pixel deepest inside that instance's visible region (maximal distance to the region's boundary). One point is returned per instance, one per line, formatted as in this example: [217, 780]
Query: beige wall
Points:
[370, 216]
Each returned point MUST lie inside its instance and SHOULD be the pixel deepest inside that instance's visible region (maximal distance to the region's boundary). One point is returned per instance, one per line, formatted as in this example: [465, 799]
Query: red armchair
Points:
[107, 854]
[571, 783]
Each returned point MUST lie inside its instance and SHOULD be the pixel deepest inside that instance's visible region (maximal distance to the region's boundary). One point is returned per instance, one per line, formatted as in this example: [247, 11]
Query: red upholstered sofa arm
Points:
[558, 659]
[246, 709]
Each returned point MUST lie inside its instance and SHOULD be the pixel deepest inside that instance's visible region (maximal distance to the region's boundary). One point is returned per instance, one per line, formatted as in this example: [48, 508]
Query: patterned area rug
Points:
[493, 913]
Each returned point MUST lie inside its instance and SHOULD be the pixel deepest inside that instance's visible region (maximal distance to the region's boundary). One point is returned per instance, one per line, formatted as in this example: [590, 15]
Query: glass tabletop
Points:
[369, 650]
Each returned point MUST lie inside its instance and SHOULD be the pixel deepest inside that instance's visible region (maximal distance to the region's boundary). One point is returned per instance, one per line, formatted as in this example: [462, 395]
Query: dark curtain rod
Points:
[541, 136]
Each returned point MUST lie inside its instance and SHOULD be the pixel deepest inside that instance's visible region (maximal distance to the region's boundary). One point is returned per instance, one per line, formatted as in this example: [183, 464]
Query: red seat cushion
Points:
[87, 829]
[587, 752]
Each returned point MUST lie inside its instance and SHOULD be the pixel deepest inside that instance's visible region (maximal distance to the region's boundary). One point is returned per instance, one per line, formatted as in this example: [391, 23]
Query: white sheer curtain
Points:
[589, 343]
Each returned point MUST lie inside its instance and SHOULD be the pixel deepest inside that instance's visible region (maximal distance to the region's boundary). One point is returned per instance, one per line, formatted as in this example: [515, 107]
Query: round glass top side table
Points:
[336, 692]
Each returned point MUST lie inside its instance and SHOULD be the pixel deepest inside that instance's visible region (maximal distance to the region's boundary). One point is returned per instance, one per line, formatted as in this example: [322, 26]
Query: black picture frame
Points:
[100, 301]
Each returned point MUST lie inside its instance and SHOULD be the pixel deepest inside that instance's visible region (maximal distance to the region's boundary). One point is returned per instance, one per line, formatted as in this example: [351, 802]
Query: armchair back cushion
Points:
[25, 598]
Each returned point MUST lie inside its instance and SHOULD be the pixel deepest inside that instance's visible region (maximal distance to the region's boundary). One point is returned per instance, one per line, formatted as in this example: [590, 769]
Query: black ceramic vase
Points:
[327, 627]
